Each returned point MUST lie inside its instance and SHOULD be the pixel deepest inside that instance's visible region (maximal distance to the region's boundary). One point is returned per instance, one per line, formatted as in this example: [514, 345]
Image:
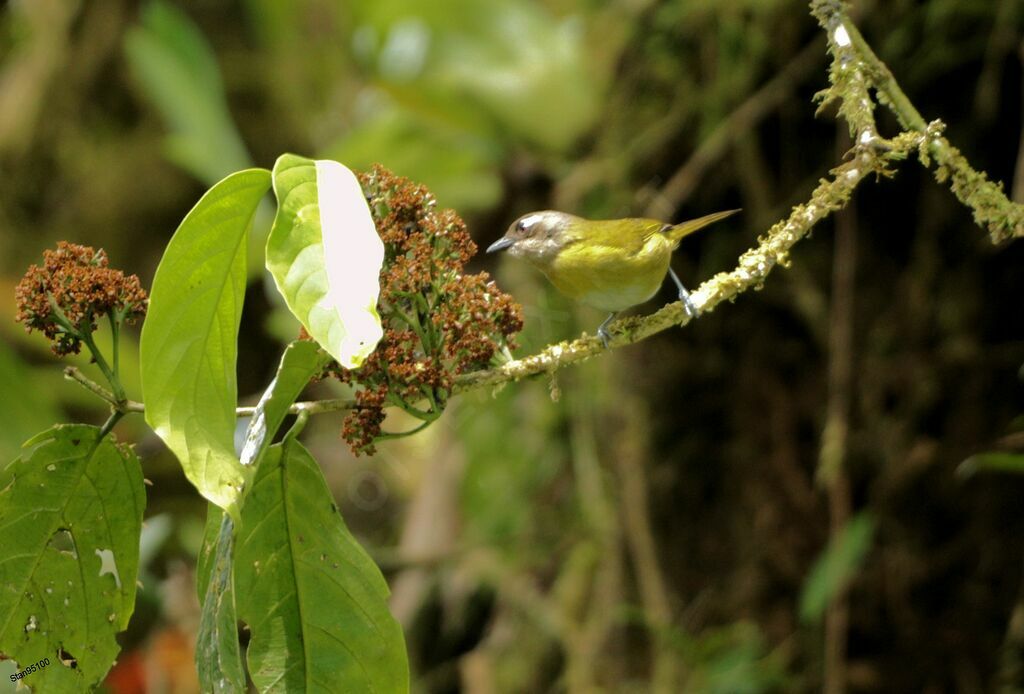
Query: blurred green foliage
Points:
[114, 118]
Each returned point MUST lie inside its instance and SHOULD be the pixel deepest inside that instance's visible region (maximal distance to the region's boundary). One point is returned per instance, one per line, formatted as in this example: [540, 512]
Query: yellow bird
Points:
[610, 264]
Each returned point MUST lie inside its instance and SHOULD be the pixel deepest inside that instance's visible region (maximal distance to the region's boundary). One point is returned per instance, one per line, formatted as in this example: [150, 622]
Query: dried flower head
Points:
[64, 297]
[438, 321]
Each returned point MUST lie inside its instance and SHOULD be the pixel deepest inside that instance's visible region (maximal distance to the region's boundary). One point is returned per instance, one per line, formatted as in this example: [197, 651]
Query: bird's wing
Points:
[622, 236]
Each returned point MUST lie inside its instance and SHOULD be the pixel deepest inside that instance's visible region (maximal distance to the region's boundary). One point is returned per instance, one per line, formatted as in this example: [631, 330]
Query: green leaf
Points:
[315, 602]
[325, 256]
[189, 340]
[218, 656]
[301, 361]
[992, 462]
[217, 652]
[70, 518]
[177, 69]
[836, 566]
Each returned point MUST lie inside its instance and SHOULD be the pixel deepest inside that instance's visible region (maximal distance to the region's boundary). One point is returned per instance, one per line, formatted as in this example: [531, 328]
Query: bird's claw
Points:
[688, 305]
[605, 337]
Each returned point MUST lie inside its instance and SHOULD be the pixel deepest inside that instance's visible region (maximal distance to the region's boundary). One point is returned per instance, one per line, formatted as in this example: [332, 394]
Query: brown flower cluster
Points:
[438, 321]
[64, 297]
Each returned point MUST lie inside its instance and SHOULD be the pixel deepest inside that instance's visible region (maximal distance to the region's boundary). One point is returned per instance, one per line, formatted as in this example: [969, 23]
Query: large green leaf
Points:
[315, 602]
[189, 340]
[325, 255]
[70, 519]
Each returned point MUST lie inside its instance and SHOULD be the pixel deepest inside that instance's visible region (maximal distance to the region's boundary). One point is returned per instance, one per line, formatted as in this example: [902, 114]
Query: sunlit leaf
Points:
[189, 340]
[70, 518]
[325, 256]
[838, 564]
[314, 601]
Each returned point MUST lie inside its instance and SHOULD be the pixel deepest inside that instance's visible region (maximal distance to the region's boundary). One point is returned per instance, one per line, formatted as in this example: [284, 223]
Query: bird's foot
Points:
[684, 296]
[688, 305]
[602, 330]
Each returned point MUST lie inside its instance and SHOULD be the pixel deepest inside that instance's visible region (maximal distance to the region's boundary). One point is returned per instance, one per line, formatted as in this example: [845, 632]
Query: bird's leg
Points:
[602, 332]
[684, 295]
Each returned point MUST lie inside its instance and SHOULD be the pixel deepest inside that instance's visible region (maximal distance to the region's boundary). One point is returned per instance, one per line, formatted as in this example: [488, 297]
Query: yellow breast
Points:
[611, 278]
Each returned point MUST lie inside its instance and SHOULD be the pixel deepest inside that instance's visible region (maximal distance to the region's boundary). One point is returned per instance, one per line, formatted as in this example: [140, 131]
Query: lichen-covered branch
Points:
[855, 67]
[773, 249]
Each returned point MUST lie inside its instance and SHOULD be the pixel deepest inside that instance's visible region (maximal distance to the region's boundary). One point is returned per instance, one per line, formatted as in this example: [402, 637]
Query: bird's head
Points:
[537, 237]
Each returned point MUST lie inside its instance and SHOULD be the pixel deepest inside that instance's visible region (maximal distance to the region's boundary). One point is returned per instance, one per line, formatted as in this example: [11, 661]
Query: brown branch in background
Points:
[643, 550]
[1018, 174]
[742, 120]
[832, 457]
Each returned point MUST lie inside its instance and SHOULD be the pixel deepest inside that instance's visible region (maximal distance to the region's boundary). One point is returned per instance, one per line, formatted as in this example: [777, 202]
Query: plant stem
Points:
[97, 356]
[115, 332]
[114, 418]
[402, 434]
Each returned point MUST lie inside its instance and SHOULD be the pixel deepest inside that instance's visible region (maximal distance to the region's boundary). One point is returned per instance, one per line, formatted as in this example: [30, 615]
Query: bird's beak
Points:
[500, 245]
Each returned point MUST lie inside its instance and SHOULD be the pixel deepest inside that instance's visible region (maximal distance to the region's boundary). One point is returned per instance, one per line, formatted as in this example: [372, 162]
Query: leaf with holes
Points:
[189, 340]
[315, 602]
[325, 256]
[70, 518]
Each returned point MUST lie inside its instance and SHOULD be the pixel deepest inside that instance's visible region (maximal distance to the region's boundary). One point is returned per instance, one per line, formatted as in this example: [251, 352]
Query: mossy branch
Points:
[855, 67]
[773, 249]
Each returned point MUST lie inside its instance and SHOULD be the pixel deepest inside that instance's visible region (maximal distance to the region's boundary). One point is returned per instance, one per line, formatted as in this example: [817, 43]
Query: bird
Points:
[609, 264]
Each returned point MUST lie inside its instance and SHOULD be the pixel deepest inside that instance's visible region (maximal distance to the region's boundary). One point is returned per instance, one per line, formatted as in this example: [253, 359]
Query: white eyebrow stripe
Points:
[529, 221]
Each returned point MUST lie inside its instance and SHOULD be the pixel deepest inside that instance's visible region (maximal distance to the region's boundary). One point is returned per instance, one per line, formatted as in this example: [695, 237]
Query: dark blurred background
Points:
[774, 498]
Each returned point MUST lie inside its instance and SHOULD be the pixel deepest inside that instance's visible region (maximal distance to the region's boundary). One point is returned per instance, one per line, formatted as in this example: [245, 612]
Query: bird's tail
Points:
[676, 232]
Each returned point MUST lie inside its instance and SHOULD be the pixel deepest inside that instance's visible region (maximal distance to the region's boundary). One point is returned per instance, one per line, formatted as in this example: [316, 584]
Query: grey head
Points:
[537, 236]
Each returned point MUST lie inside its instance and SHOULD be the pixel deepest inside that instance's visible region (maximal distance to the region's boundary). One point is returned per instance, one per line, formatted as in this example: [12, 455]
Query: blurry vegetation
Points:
[650, 520]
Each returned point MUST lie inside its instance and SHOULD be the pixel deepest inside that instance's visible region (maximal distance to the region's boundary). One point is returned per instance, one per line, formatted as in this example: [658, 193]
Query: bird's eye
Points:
[520, 225]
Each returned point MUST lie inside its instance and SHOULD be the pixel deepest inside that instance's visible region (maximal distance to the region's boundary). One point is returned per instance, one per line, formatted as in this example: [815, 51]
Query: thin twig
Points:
[72, 373]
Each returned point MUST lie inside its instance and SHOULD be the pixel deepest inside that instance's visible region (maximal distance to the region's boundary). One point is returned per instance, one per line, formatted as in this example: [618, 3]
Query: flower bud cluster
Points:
[438, 321]
[74, 286]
